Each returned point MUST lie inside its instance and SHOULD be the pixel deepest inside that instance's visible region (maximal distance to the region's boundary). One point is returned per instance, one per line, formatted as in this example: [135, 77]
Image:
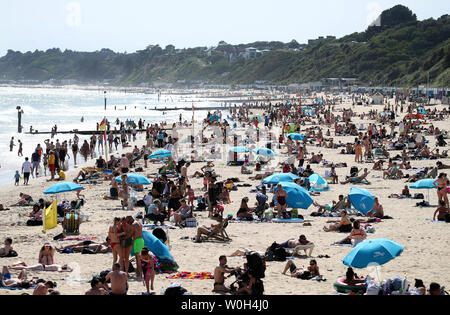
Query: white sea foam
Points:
[43, 108]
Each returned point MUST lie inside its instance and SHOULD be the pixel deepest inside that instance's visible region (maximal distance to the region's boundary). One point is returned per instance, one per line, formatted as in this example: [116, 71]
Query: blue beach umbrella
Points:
[134, 179]
[318, 183]
[240, 149]
[280, 177]
[424, 184]
[160, 154]
[298, 197]
[296, 136]
[361, 199]
[264, 152]
[376, 251]
[63, 187]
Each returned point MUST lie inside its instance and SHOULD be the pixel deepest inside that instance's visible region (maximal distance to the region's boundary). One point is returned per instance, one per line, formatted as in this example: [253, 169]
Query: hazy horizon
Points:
[84, 25]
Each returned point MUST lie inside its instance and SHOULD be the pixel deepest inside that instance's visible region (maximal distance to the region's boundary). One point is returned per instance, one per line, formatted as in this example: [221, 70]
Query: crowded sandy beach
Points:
[271, 201]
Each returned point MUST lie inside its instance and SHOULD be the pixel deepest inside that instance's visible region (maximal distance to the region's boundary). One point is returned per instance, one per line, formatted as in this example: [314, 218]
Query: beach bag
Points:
[419, 196]
[447, 218]
[175, 290]
[306, 275]
[275, 253]
[256, 264]
[140, 203]
[191, 222]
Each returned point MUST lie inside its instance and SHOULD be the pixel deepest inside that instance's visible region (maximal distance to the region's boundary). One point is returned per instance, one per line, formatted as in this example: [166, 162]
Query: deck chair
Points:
[379, 154]
[219, 233]
[71, 222]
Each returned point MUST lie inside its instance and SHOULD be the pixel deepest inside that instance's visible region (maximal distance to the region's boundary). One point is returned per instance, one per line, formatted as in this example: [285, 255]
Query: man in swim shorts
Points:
[138, 242]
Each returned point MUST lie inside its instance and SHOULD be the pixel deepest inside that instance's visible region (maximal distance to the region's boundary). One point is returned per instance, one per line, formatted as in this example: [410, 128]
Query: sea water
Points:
[67, 108]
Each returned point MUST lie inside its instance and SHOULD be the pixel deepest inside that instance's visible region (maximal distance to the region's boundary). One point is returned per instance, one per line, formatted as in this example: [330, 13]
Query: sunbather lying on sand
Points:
[358, 179]
[24, 200]
[20, 282]
[260, 176]
[104, 247]
[300, 273]
[40, 267]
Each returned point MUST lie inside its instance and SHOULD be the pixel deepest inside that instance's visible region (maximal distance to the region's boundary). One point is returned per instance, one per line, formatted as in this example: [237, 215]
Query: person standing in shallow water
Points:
[19, 153]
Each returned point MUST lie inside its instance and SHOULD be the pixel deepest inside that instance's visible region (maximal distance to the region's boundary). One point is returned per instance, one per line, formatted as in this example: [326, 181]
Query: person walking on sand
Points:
[26, 171]
[52, 165]
[75, 151]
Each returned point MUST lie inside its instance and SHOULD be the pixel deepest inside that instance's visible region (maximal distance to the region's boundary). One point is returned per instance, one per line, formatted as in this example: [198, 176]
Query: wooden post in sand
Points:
[235, 144]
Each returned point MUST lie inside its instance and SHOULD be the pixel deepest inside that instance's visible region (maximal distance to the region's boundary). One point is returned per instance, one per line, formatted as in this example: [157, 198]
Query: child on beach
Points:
[17, 178]
[191, 195]
[45, 160]
[148, 268]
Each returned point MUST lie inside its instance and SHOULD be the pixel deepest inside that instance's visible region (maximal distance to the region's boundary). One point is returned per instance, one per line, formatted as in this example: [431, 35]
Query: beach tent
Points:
[298, 197]
[160, 154]
[134, 179]
[280, 177]
[264, 152]
[296, 136]
[165, 261]
[375, 251]
[160, 250]
[361, 199]
[318, 183]
[239, 149]
[214, 118]
[62, 187]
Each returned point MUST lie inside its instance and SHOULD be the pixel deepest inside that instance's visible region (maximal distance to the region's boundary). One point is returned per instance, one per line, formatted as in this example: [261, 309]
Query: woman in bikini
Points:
[114, 236]
[148, 261]
[357, 235]
[441, 183]
[342, 226]
[281, 196]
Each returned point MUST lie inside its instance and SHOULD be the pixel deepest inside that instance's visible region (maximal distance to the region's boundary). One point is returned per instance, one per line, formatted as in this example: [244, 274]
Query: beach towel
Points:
[287, 220]
[16, 288]
[192, 275]
[78, 238]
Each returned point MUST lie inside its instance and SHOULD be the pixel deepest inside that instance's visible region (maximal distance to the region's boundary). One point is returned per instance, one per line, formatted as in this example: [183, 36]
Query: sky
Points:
[130, 25]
